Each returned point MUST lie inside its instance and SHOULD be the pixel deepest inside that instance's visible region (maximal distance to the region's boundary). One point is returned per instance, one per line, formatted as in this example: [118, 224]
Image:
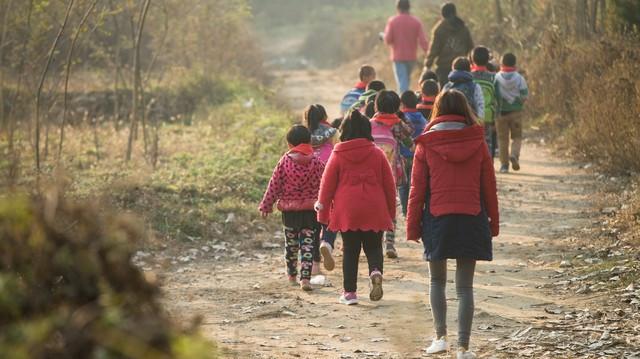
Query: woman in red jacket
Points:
[358, 198]
[453, 208]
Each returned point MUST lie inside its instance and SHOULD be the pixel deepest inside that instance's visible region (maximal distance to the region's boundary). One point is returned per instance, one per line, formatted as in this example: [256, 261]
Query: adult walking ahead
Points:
[403, 34]
[450, 38]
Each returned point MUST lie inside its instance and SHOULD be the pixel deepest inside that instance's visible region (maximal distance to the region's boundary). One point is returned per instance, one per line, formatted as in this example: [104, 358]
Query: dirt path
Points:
[250, 310]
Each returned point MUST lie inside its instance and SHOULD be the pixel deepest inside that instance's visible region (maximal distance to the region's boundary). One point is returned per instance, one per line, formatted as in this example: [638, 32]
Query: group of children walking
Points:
[430, 150]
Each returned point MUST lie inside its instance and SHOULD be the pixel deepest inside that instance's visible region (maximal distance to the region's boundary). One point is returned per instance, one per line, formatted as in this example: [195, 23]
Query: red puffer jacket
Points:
[456, 167]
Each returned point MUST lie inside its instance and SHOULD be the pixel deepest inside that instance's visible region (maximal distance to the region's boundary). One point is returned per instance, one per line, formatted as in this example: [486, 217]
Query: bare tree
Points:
[499, 15]
[3, 37]
[581, 18]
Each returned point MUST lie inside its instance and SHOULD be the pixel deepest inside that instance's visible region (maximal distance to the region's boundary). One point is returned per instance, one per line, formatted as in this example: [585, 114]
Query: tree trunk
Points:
[42, 78]
[594, 16]
[116, 98]
[136, 79]
[603, 15]
[3, 118]
[499, 16]
[581, 19]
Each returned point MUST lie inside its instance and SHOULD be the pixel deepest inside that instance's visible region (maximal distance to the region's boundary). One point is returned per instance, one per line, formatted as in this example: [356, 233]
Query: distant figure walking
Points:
[450, 38]
[403, 34]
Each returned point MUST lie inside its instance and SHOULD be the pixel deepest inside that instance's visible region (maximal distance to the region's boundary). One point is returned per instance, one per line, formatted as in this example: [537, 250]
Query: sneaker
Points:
[515, 163]
[463, 353]
[438, 345]
[375, 286]
[349, 298]
[391, 251]
[504, 169]
[327, 257]
[293, 280]
[306, 285]
[315, 268]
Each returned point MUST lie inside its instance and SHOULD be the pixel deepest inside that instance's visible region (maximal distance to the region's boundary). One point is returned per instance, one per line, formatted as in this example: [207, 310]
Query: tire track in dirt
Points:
[248, 307]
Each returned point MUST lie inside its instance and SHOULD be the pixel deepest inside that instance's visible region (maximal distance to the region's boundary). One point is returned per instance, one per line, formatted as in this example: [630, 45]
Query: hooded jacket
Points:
[294, 184]
[450, 38]
[463, 82]
[321, 141]
[419, 123]
[362, 100]
[453, 192]
[513, 90]
[357, 191]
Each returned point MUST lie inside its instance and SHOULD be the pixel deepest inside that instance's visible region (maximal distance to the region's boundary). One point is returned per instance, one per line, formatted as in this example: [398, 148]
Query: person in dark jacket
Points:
[450, 38]
[453, 208]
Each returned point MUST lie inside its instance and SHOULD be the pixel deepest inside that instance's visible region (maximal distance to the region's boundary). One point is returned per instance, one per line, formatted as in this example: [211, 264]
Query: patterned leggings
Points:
[299, 241]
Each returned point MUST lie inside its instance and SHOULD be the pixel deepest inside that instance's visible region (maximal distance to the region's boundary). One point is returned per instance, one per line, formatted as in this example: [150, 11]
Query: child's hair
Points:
[323, 112]
[387, 101]
[403, 5]
[370, 110]
[430, 88]
[336, 123]
[453, 102]
[355, 125]
[365, 71]
[448, 9]
[428, 75]
[298, 134]
[376, 85]
[409, 99]
[312, 117]
[508, 59]
[461, 63]
[480, 56]
[490, 67]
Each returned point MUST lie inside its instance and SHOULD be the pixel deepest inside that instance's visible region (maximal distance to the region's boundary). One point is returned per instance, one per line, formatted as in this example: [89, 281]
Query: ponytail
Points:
[312, 117]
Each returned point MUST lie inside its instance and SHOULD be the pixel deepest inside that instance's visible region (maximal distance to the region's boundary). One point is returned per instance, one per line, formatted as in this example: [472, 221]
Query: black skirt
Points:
[300, 219]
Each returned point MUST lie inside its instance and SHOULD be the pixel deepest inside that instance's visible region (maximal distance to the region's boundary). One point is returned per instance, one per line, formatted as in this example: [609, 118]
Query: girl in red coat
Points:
[453, 208]
[294, 184]
[358, 198]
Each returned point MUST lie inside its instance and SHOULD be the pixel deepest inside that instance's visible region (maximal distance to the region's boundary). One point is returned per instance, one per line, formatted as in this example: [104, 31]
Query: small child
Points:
[373, 88]
[428, 93]
[409, 102]
[512, 96]
[428, 75]
[486, 79]
[357, 198]
[367, 74]
[389, 126]
[461, 79]
[294, 185]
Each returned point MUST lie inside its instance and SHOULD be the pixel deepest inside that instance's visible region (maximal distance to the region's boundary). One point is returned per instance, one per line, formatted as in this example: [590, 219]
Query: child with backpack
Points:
[389, 127]
[294, 185]
[453, 208]
[513, 95]
[323, 136]
[409, 101]
[358, 198]
[486, 79]
[461, 79]
[366, 74]
[373, 88]
[428, 92]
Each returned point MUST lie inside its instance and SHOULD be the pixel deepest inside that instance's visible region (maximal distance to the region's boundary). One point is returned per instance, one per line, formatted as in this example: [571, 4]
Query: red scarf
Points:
[360, 85]
[324, 122]
[302, 148]
[427, 106]
[410, 110]
[475, 68]
[507, 69]
[430, 99]
[388, 119]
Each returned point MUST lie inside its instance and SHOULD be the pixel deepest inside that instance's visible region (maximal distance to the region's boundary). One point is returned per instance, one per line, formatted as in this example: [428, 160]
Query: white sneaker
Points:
[327, 258]
[438, 345]
[463, 353]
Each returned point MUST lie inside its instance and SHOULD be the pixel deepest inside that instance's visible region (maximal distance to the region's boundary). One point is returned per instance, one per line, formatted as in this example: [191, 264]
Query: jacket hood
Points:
[355, 151]
[460, 76]
[452, 145]
[299, 166]
[365, 95]
[508, 80]
[322, 135]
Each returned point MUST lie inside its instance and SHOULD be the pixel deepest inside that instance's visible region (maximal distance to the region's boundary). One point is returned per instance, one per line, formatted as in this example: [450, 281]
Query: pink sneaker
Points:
[349, 298]
[306, 285]
[375, 285]
[293, 280]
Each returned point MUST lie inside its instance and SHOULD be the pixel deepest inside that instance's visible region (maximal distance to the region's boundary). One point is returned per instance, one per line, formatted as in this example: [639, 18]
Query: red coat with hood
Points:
[453, 192]
[358, 191]
[294, 184]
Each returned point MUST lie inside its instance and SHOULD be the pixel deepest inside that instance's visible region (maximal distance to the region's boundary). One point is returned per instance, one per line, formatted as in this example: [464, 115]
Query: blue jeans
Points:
[328, 236]
[402, 72]
[403, 191]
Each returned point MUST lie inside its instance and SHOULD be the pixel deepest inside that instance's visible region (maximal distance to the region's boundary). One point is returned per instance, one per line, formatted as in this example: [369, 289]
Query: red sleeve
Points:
[328, 189]
[490, 191]
[388, 184]
[274, 189]
[422, 38]
[388, 33]
[417, 193]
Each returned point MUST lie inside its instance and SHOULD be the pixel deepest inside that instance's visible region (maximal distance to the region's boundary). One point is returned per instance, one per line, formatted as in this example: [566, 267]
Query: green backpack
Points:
[485, 80]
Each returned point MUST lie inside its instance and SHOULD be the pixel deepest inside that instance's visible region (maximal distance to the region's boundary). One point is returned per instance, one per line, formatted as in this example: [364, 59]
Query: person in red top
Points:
[453, 208]
[358, 198]
[403, 34]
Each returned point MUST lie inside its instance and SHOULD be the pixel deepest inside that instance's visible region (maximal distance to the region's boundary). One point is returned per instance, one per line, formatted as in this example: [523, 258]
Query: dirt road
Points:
[248, 307]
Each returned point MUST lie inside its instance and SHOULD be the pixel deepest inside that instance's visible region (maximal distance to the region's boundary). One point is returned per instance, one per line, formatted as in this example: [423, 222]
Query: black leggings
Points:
[353, 241]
